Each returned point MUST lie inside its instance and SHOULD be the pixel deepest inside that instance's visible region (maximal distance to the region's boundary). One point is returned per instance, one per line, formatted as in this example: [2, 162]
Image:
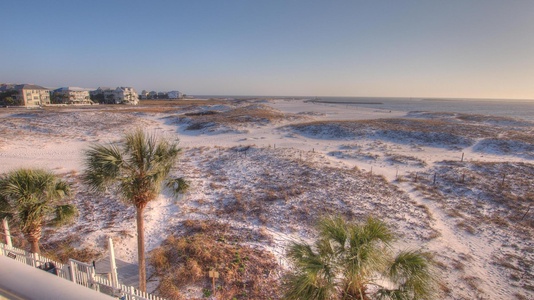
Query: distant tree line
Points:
[8, 98]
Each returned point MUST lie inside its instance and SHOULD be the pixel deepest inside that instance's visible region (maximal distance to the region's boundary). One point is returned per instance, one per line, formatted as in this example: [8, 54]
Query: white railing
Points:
[80, 273]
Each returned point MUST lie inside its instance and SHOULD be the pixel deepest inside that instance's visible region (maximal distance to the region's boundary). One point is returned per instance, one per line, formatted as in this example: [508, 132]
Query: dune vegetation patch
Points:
[290, 189]
[492, 192]
[505, 146]
[471, 118]
[490, 199]
[437, 133]
[70, 124]
[234, 118]
[183, 263]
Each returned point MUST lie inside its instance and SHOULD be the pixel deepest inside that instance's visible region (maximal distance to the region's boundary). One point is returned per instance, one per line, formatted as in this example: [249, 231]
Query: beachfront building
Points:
[31, 95]
[126, 95]
[71, 95]
[103, 95]
[175, 95]
[120, 95]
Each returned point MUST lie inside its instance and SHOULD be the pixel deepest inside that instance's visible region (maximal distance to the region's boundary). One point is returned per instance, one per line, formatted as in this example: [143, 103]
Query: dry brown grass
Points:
[405, 125]
[249, 115]
[66, 248]
[184, 261]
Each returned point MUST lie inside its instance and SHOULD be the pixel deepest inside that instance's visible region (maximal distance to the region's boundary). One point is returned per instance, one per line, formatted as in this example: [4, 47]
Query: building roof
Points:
[104, 88]
[29, 87]
[71, 88]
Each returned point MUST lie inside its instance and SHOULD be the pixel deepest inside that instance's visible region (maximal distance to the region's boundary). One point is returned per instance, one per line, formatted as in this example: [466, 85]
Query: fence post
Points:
[35, 259]
[6, 232]
[113, 266]
[94, 284]
[72, 269]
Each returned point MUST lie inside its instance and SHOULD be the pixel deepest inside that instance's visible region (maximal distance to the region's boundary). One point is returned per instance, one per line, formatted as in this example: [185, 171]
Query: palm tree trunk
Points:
[33, 237]
[141, 248]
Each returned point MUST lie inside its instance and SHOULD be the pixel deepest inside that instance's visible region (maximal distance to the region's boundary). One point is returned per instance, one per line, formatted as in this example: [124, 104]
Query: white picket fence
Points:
[80, 273]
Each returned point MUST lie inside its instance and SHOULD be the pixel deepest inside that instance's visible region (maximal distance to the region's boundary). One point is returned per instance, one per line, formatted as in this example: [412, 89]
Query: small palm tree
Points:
[31, 198]
[137, 168]
[354, 261]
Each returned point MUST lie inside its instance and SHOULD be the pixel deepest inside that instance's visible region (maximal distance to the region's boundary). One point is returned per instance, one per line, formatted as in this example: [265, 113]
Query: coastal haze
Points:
[418, 113]
[411, 48]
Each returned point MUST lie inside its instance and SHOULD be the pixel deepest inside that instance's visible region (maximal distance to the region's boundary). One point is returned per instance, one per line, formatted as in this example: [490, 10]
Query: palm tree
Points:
[31, 198]
[355, 261]
[137, 168]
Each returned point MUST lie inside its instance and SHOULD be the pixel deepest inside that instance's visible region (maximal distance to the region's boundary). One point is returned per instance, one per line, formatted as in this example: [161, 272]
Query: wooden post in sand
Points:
[213, 275]
[435, 176]
[462, 157]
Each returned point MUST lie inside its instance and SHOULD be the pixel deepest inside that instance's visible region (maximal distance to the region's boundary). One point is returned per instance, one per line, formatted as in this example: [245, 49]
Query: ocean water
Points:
[522, 109]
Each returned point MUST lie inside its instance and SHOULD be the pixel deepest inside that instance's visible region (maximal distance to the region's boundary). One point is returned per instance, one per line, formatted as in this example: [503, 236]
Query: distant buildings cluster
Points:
[161, 95]
[35, 95]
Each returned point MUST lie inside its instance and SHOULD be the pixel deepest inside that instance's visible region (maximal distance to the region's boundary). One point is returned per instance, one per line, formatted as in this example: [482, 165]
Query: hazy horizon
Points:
[480, 49]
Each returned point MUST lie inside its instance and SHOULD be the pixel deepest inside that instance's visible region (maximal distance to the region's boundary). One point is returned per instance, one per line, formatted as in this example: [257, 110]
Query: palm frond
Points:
[177, 186]
[334, 228]
[302, 286]
[393, 294]
[64, 214]
[411, 271]
[315, 277]
[103, 164]
[375, 230]
[60, 189]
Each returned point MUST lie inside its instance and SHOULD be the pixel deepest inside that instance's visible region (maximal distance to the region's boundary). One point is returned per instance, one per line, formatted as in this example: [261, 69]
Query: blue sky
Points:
[426, 48]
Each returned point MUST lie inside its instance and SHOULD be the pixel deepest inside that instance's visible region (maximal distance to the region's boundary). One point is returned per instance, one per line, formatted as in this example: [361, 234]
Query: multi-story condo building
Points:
[124, 95]
[32, 95]
[72, 95]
